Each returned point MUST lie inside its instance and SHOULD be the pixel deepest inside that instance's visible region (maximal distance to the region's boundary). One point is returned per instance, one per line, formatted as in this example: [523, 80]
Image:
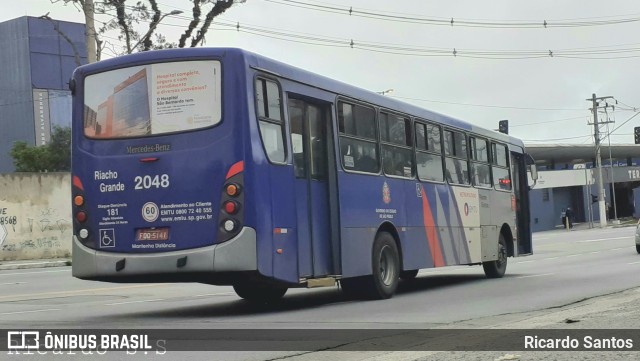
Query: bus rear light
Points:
[232, 190]
[84, 233]
[231, 207]
[77, 183]
[81, 216]
[78, 200]
[229, 225]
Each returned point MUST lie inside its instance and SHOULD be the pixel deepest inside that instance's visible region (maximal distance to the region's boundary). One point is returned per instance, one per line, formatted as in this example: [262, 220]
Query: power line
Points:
[607, 52]
[488, 106]
[451, 21]
[552, 139]
[410, 50]
[546, 121]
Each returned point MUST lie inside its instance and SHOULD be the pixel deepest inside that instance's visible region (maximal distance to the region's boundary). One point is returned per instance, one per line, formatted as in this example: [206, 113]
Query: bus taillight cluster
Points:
[79, 211]
[231, 210]
[231, 207]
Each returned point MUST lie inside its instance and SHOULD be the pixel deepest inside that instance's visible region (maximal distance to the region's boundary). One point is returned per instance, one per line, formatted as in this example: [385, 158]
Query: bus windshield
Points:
[152, 99]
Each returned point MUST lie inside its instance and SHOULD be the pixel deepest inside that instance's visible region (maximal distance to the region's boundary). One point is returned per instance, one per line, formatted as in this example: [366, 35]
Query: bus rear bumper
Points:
[236, 255]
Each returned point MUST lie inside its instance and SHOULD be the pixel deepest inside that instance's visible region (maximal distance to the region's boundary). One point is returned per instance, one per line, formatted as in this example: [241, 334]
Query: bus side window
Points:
[358, 145]
[269, 107]
[455, 151]
[396, 139]
[429, 152]
[480, 172]
[500, 167]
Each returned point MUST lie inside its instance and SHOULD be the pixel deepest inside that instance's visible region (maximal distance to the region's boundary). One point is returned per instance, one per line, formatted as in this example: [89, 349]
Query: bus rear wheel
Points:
[497, 268]
[259, 293]
[385, 264]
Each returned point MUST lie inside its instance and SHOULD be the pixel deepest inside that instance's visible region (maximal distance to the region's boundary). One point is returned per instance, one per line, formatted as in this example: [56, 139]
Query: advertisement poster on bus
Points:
[152, 99]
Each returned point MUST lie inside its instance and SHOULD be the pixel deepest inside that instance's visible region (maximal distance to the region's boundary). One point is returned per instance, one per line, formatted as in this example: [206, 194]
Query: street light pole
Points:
[153, 27]
[385, 91]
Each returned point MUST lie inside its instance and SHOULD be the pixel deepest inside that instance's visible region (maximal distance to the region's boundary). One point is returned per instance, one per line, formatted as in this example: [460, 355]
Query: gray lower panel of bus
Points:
[237, 254]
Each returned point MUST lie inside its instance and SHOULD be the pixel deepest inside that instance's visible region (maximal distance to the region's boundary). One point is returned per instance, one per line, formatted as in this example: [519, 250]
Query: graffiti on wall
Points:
[48, 220]
[35, 216]
[36, 234]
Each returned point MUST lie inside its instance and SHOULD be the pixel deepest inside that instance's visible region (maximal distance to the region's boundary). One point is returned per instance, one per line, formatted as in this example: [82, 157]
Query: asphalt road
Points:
[567, 267]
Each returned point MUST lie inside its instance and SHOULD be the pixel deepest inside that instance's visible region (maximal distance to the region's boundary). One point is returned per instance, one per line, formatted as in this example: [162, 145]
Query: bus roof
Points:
[260, 62]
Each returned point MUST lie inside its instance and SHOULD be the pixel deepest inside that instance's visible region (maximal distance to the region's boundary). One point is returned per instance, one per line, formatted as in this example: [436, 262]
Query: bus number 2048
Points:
[147, 181]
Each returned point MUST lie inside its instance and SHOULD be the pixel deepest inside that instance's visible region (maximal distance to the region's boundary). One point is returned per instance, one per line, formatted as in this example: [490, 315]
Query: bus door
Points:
[310, 131]
[521, 194]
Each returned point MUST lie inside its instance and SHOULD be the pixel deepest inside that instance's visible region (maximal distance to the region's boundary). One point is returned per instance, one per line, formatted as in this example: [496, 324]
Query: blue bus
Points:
[221, 166]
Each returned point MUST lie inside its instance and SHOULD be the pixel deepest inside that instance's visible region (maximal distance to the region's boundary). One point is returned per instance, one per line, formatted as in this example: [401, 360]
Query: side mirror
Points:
[534, 172]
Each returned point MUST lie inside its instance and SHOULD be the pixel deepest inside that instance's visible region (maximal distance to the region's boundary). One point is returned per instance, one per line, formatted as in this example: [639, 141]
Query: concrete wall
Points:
[35, 216]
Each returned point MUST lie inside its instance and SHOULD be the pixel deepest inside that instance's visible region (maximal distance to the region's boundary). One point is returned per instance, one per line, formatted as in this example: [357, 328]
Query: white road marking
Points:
[214, 294]
[166, 299]
[603, 239]
[32, 273]
[540, 275]
[128, 302]
[634, 262]
[12, 283]
[19, 312]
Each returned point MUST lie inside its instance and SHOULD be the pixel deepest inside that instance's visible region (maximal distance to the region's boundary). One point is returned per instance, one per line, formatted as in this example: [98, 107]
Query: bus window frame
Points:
[411, 139]
[445, 156]
[340, 134]
[508, 167]
[283, 122]
[441, 154]
[488, 162]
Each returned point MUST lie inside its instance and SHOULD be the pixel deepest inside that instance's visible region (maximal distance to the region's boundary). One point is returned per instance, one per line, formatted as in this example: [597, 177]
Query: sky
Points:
[507, 64]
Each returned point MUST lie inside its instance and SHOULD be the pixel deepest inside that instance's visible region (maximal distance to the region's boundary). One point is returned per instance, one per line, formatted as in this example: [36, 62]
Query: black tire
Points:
[259, 293]
[385, 264]
[497, 268]
[408, 275]
[638, 248]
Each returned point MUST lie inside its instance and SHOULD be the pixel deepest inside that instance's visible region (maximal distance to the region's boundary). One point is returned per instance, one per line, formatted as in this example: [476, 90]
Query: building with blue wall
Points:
[567, 178]
[34, 93]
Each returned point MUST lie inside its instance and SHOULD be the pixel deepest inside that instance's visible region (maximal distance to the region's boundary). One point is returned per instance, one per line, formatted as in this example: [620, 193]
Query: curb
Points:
[41, 264]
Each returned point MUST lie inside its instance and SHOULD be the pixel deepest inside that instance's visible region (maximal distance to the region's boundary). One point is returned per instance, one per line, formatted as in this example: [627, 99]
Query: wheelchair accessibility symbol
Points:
[107, 238]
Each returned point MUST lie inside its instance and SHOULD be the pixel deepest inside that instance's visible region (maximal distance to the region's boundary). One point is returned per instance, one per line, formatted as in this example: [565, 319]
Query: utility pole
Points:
[89, 14]
[601, 193]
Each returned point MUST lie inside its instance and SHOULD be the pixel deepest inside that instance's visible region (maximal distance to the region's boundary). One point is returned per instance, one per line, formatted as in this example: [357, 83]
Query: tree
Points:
[136, 22]
[54, 156]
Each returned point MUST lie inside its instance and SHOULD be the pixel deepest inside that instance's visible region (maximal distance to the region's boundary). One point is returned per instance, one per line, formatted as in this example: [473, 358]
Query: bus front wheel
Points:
[497, 268]
[385, 267]
[259, 293]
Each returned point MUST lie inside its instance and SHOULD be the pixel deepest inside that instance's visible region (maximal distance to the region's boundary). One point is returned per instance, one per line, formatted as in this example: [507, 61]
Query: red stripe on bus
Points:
[77, 183]
[432, 233]
[235, 169]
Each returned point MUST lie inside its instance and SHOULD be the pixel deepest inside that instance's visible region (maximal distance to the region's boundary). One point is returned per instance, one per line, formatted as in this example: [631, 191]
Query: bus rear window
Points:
[152, 99]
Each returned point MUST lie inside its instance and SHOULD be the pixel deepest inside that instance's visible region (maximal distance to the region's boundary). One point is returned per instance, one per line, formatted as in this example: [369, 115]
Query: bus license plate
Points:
[152, 234]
